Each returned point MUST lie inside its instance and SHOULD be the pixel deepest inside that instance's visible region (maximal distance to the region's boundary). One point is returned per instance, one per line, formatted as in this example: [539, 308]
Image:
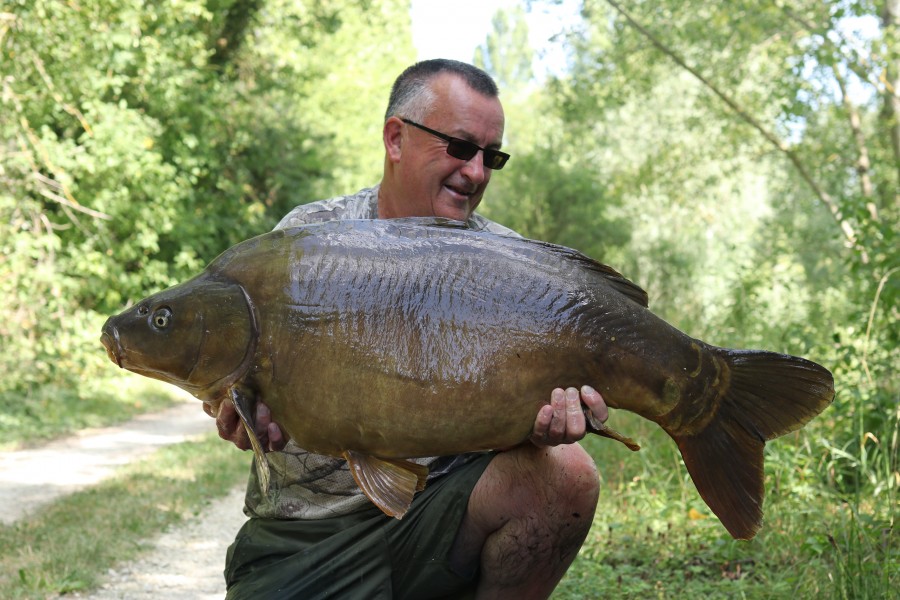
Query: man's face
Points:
[433, 183]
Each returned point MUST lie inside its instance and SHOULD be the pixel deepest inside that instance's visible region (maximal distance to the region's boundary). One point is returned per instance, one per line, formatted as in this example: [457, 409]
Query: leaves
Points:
[140, 140]
[737, 161]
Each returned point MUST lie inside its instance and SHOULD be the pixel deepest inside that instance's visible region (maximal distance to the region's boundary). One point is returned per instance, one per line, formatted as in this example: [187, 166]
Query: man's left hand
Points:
[562, 421]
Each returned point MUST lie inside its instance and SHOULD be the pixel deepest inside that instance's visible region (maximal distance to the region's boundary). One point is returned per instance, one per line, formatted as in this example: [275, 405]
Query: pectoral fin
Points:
[243, 405]
[599, 427]
[389, 483]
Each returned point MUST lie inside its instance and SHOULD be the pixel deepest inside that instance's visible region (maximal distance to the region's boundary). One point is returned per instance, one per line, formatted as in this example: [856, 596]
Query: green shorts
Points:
[364, 555]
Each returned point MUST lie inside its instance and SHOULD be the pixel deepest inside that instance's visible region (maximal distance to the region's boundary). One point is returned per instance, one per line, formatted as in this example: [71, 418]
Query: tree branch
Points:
[886, 86]
[65, 201]
[863, 165]
[39, 65]
[854, 61]
[826, 199]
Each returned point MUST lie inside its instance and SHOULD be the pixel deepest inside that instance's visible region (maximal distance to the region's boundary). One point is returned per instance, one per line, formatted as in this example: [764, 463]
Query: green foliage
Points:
[545, 192]
[137, 141]
[738, 162]
[654, 537]
[506, 54]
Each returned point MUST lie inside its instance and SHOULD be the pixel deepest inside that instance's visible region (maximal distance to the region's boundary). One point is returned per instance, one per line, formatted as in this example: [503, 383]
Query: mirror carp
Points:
[383, 340]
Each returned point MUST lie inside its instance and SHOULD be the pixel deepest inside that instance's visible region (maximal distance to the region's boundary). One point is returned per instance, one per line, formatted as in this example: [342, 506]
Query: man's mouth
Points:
[462, 192]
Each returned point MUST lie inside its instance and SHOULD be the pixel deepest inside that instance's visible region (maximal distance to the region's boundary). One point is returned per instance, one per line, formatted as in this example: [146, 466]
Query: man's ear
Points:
[393, 137]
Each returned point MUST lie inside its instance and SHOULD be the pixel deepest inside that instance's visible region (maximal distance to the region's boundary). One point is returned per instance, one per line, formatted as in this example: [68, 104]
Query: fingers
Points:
[261, 422]
[269, 433]
[209, 409]
[557, 429]
[541, 431]
[560, 422]
[574, 426]
[277, 439]
[594, 401]
[563, 420]
[230, 427]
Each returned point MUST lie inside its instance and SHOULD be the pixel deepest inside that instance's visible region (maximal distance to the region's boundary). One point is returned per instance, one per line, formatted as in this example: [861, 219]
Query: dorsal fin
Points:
[618, 281]
[615, 279]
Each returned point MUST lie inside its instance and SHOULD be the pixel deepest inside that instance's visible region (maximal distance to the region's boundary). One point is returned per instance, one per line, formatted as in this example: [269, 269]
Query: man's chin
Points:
[454, 206]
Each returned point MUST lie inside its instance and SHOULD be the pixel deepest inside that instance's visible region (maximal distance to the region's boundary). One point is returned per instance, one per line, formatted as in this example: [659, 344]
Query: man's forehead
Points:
[452, 86]
[466, 112]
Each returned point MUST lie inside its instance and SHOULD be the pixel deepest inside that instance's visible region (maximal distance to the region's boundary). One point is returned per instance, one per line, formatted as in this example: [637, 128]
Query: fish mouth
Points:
[111, 343]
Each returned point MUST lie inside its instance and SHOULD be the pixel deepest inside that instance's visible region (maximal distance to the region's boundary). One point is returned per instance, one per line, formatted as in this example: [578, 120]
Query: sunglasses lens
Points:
[461, 149]
[494, 159]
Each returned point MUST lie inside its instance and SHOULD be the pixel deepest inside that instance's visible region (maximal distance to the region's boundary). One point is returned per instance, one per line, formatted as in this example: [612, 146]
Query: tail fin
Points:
[769, 395]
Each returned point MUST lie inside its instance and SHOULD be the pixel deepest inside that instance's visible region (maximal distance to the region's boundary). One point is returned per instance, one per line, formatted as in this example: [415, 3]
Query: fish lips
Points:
[110, 340]
[117, 353]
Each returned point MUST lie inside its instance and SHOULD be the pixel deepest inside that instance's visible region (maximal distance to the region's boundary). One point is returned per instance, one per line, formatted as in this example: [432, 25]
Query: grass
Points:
[52, 411]
[829, 529]
[68, 545]
[653, 537]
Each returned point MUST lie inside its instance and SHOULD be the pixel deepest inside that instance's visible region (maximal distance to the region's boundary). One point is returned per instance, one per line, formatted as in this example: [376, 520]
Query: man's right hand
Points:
[230, 427]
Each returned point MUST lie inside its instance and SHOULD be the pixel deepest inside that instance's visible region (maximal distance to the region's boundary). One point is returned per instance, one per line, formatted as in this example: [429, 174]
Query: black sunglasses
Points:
[465, 150]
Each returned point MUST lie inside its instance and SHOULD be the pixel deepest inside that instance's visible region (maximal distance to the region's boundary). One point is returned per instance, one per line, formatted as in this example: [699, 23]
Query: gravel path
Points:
[184, 563]
[34, 477]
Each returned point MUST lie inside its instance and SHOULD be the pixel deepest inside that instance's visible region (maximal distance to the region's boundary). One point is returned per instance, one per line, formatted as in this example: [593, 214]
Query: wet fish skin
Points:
[385, 340]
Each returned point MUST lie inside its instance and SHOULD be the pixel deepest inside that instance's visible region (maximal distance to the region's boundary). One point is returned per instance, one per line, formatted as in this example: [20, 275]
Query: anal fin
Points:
[598, 427]
[244, 407]
[389, 483]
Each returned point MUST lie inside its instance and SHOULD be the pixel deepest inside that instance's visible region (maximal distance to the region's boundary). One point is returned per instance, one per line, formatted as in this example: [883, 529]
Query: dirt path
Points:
[34, 477]
[186, 562]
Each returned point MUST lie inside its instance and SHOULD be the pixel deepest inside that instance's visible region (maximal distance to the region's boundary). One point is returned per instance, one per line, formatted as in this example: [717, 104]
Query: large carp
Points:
[383, 340]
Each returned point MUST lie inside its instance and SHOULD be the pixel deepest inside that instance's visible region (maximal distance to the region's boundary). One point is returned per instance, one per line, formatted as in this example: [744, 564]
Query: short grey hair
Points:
[411, 95]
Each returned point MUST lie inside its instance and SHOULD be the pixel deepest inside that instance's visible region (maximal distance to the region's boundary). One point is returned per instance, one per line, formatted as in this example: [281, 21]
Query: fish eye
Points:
[161, 317]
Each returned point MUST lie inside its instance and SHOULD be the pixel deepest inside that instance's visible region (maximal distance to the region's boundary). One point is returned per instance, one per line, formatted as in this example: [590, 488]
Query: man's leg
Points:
[527, 517]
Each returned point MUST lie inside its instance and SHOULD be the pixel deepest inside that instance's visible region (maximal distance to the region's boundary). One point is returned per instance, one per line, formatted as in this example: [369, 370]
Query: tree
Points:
[138, 140]
[544, 192]
[771, 125]
[506, 53]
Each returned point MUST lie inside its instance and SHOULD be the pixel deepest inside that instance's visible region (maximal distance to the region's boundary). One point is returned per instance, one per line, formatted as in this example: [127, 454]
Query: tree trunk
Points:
[229, 40]
[891, 20]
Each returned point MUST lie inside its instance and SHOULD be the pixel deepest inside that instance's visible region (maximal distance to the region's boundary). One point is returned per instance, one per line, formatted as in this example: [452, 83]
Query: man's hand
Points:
[562, 421]
[230, 427]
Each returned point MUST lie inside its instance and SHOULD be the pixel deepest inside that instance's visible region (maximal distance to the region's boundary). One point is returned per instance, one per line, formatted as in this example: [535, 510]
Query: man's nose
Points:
[474, 169]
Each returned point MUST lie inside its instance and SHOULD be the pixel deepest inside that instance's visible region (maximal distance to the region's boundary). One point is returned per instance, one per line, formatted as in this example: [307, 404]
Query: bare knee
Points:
[552, 482]
[577, 484]
[529, 514]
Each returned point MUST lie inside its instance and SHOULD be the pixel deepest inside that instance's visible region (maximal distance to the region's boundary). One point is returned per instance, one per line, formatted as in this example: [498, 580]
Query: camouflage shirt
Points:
[312, 486]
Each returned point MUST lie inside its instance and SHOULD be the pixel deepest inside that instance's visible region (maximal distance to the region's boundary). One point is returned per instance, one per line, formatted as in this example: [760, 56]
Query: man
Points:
[502, 525]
